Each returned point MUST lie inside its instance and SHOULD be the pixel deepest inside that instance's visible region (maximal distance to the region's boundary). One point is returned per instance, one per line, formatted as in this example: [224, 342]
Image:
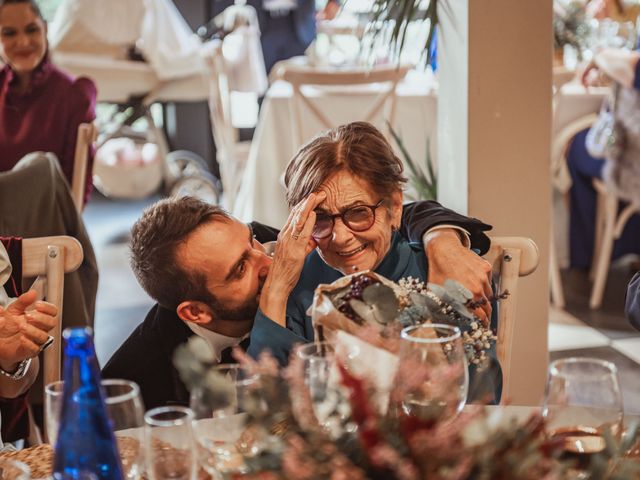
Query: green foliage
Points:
[399, 13]
[426, 186]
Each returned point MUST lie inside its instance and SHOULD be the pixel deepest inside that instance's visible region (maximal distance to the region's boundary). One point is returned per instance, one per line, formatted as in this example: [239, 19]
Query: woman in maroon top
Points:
[41, 106]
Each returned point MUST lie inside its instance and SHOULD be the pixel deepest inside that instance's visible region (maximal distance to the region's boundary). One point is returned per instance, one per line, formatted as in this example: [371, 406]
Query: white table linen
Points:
[262, 194]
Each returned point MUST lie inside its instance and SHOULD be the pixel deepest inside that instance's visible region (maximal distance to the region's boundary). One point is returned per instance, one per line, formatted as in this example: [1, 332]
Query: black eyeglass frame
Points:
[333, 217]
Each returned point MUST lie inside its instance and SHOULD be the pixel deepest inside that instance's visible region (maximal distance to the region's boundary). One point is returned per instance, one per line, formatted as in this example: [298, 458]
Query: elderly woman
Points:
[41, 106]
[346, 185]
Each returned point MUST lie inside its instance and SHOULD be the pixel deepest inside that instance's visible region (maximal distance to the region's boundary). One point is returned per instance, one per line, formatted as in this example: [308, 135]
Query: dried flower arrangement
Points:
[289, 442]
[357, 439]
[366, 298]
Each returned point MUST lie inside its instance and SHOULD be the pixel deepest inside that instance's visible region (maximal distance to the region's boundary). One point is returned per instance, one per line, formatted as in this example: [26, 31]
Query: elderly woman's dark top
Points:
[404, 259]
[45, 117]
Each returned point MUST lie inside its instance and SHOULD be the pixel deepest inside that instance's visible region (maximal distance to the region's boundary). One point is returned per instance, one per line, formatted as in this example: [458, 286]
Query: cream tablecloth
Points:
[575, 101]
[261, 196]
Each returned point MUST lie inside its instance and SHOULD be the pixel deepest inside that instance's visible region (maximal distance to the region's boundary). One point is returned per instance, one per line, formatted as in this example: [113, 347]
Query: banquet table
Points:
[40, 458]
[262, 194]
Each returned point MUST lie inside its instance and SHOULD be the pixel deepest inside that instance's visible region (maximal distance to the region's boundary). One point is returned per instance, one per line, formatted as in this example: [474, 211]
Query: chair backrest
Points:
[225, 134]
[511, 258]
[48, 259]
[300, 76]
[87, 133]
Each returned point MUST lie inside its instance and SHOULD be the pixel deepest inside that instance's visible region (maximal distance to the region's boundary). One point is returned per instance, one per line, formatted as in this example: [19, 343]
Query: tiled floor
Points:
[578, 331]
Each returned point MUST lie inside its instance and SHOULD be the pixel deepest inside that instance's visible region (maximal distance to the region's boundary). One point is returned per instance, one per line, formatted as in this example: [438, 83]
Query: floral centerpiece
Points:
[287, 441]
[474, 445]
[570, 27]
[368, 299]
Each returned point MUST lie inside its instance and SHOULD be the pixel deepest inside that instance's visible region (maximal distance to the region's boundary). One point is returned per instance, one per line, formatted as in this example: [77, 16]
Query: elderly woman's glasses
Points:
[358, 218]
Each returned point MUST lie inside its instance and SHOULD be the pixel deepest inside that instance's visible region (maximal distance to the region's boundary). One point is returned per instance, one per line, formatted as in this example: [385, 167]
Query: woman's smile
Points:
[352, 253]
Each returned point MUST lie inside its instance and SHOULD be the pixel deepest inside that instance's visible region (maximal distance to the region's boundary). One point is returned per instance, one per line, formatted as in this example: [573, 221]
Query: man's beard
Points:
[246, 311]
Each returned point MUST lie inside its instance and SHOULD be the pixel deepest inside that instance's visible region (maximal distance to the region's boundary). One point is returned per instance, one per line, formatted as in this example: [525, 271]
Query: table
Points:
[262, 194]
[40, 458]
[575, 101]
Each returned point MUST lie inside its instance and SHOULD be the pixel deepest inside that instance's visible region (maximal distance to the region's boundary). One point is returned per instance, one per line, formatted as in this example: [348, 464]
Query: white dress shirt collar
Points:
[217, 341]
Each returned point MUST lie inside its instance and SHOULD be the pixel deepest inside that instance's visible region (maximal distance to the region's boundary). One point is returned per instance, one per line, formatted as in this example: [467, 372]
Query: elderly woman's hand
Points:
[294, 244]
[449, 259]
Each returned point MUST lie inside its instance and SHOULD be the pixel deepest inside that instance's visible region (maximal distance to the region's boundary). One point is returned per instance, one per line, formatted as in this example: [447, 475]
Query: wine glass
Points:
[582, 399]
[320, 378]
[13, 470]
[221, 430]
[170, 444]
[125, 410]
[432, 377]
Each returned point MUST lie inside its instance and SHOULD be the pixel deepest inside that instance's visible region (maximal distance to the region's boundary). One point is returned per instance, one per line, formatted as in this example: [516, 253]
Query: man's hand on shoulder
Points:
[450, 259]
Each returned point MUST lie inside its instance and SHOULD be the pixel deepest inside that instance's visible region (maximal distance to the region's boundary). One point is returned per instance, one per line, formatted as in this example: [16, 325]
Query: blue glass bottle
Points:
[86, 443]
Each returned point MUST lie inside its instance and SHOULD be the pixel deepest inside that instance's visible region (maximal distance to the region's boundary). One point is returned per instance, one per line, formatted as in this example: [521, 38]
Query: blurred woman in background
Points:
[41, 106]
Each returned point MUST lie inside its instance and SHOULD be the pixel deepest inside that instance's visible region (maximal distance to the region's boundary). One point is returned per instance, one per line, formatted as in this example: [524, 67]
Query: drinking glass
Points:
[582, 398]
[432, 374]
[13, 470]
[52, 404]
[221, 430]
[126, 412]
[319, 366]
[124, 406]
[170, 444]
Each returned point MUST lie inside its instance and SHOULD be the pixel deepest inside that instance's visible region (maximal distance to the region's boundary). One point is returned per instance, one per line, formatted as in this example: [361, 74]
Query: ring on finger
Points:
[295, 236]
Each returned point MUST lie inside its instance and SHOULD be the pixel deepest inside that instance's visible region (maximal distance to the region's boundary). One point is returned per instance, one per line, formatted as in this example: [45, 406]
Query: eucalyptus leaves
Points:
[368, 301]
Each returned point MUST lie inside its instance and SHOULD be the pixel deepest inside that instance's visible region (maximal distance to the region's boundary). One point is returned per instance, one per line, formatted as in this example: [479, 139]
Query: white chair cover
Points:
[96, 26]
[168, 43]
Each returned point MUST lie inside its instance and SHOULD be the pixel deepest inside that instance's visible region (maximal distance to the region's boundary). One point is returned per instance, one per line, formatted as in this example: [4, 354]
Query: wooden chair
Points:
[232, 154]
[87, 133]
[609, 226]
[511, 258]
[47, 259]
[609, 222]
[300, 76]
[560, 76]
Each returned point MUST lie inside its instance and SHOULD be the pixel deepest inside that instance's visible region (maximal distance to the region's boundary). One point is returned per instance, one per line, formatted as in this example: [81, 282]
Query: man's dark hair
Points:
[155, 238]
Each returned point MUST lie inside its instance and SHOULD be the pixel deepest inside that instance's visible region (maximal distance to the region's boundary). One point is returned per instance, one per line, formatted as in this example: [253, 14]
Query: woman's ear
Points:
[194, 311]
[396, 209]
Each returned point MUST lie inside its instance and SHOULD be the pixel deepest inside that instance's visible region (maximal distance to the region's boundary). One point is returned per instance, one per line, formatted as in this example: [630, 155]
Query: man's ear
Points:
[396, 208]
[194, 311]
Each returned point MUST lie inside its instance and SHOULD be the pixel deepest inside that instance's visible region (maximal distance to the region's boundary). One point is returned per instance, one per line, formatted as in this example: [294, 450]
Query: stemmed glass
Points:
[582, 399]
[171, 447]
[433, 375]
[320, 378]
[125, 410]
[13, 470]
[221, 430]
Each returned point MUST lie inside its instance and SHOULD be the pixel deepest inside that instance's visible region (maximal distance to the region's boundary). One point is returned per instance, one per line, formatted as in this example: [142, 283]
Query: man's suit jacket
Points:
[146, 356]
